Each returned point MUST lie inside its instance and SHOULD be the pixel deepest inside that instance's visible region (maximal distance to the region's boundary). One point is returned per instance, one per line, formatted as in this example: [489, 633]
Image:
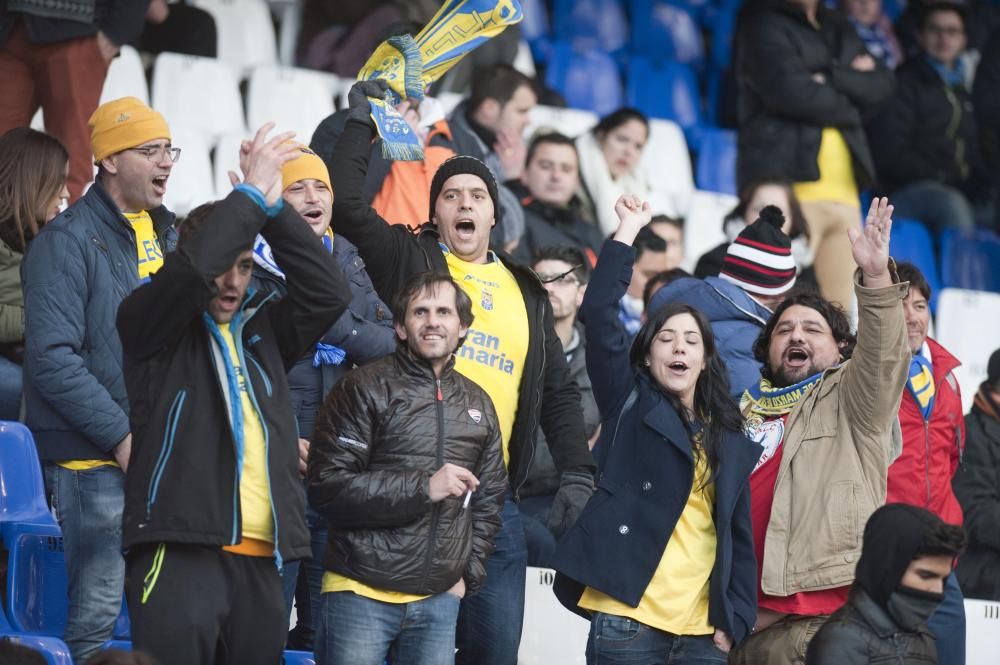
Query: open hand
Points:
[870, 246]
[512, 152]
[261, 161]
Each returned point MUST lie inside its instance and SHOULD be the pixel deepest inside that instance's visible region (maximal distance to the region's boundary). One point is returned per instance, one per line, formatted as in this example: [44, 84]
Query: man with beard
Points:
[824, 412]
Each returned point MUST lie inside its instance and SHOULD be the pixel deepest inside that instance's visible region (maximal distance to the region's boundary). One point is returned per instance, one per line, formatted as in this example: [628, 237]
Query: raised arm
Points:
[874, 378]
[379, 243]
[608, 343]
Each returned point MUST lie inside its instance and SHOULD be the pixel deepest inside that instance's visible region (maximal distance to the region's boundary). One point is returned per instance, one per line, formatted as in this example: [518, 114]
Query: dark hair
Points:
[429, 281]
[647, 241]
[714, 409]
[676, 222]
[395, 29]
[798, 219]
[15, 654]
[498, 82]
[566, 254]
[194, 221]
[936, 6]
[550, 138]
[618, 118]
[659, 280]
[943, 540]
[910, 273]
[835, 317]
[32, 173]
[119, 657]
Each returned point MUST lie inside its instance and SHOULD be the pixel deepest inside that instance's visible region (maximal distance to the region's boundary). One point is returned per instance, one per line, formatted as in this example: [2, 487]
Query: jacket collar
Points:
[942, 362]
[876, 617]
[97, 197]
[415, 366]
[663, 418]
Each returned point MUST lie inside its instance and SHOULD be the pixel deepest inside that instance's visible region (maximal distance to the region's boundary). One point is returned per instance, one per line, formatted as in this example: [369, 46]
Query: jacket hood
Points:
[892, 537]
[716, 298]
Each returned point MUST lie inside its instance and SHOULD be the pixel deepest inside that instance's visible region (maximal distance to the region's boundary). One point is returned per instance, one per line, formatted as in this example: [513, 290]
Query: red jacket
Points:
[932, 450]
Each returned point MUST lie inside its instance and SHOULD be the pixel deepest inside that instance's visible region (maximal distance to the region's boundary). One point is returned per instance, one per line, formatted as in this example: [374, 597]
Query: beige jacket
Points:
[838, 446]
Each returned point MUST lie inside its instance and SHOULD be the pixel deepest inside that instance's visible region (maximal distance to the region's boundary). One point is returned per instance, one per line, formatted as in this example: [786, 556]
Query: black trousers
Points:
[196, 605]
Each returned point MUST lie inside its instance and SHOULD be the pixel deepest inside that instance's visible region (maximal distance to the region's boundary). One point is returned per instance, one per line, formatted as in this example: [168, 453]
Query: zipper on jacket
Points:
[927, 460]
[436, 510]
[173, 416]
[263, 374]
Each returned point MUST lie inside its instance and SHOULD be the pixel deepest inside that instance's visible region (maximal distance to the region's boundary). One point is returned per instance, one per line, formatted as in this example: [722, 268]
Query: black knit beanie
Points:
[760, 259]
[465, 164]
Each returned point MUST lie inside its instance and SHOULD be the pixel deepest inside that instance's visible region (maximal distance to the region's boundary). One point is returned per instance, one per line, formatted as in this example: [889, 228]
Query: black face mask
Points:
[911, 608]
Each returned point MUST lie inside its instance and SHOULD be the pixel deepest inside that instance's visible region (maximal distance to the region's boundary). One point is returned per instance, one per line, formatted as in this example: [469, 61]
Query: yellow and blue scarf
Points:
[767, 401]
[409, 64]
[920, 383]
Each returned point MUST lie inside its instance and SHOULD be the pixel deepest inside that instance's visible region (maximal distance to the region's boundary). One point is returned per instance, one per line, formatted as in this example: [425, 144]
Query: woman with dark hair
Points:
[609, 165]
[754, 198]
[661, 560]
[33, 172]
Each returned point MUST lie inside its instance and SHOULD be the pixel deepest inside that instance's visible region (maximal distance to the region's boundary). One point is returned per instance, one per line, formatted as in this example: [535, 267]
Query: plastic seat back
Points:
[22, 490]
[587, 80]
[717, 161]
[666, 32]
[36, 579]
[180, 83]
[971, 261]
[911, 241]
[591, 24]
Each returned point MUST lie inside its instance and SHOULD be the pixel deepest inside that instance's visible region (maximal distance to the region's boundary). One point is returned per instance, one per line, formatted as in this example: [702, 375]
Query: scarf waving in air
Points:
[409, 64]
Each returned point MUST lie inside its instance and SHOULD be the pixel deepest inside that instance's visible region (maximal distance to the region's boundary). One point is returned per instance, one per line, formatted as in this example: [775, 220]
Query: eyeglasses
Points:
[156, 153]
[561, 278]
[945, 31]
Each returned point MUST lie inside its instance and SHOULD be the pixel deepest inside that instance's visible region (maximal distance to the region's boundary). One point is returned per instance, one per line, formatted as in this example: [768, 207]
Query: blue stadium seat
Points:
[536, 20]
[716, 170]
[587, 80]
[668, 91]
[22, 490]
[911, 241]
[36, 579]
[53, 650]
[970, 260]
[590, 24]
[665, 32]
[723, 30]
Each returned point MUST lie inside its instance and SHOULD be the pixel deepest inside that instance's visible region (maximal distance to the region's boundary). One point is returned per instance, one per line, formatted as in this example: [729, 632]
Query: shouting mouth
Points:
[796, 357]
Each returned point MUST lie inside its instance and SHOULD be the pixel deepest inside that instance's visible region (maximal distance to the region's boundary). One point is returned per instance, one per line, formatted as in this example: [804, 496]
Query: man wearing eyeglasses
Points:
[564, 272]
[75, 274]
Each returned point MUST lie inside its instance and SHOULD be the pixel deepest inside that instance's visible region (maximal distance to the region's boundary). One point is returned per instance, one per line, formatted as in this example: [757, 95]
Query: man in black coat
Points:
[806, 87]
[926, 140]
[547, 190]
[907, 555]
[407, 468]
[214, 502]
[513, 352]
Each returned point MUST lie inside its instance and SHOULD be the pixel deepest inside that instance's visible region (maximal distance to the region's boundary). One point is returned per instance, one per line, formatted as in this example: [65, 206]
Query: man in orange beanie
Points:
[75, 274]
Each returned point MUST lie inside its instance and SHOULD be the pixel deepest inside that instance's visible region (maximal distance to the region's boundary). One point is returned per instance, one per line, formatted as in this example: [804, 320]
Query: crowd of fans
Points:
[376, 390]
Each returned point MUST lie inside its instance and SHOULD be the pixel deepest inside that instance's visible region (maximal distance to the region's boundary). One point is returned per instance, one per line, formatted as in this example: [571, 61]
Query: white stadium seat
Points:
[200, 93]
[968, 324]
[982, 629]
[552, 635]
[295, 99]
[126, 77]
[571, 122]
[703, 225]
[666, 164]
[227, 158]
[246, 33]
[190, 182]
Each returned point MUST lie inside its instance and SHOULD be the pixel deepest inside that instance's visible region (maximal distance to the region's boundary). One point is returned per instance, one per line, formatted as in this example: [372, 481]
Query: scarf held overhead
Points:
[409, 64]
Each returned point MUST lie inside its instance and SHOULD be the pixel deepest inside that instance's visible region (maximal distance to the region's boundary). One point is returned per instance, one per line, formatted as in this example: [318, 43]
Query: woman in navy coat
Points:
[661, 560]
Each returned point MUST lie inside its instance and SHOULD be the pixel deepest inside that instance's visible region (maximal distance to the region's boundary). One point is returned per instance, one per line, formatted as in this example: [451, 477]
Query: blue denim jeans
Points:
[354, 630]
[302, 582]
[11, 384]
[539, 540]
[489, 625]
[88, 505]
[616, 640]
[948, 625]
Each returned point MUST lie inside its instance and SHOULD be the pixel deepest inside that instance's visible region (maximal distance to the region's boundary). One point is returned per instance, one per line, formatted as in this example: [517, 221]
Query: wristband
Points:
[258, 197]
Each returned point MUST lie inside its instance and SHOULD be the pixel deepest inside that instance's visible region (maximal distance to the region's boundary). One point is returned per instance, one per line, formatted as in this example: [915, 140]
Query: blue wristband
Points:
[258, 197]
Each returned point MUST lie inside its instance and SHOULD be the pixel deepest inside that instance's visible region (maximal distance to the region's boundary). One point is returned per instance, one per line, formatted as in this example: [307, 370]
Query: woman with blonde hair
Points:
[33, 172]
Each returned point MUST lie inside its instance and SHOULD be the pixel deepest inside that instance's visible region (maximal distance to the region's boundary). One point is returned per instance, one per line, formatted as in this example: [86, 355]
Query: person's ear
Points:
[400, 331]
[580, 292]
[110, 164]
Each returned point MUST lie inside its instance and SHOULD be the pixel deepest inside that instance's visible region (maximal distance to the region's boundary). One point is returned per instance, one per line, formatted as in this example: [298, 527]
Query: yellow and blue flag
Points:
[410, 64]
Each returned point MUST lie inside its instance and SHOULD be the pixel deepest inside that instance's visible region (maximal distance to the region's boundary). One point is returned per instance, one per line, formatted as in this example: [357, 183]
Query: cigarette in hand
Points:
[468, 496]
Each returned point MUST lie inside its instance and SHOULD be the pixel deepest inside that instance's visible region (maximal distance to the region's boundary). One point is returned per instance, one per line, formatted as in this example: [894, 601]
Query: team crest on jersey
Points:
[476, 415]
[487, 301]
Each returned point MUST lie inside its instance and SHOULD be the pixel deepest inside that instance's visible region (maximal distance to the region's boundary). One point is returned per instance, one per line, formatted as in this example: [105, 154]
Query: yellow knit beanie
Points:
[307, 165]
[124, 123]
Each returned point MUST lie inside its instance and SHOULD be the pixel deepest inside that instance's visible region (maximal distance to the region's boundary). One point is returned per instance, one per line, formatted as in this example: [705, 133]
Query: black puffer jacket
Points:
[927, 132]
[381, 434]
[794, 80]
[862, 633]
